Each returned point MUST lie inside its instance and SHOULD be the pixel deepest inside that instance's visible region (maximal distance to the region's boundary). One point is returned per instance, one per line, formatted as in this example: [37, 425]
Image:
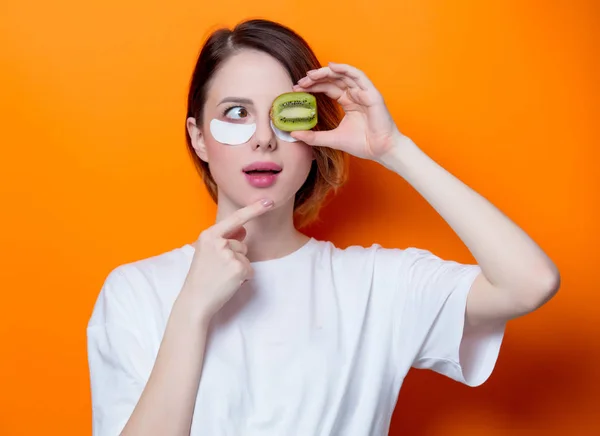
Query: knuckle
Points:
[206, 237]
[239, 268]
[221, 243]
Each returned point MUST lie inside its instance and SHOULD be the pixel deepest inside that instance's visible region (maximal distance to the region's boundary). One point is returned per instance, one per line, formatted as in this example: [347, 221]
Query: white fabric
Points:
[318, 343]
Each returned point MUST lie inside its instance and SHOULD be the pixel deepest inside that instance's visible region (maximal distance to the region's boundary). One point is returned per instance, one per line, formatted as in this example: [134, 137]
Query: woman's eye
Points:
[237, 113]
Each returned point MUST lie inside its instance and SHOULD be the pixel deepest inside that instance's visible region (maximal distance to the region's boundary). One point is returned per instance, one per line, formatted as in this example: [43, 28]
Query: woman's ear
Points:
[197, 139]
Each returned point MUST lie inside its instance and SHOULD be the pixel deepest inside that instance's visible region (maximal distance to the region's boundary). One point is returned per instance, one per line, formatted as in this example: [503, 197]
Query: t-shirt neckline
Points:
[189, 249]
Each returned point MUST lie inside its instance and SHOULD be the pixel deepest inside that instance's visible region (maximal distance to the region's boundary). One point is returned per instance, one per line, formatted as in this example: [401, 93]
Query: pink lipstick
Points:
[262, 174]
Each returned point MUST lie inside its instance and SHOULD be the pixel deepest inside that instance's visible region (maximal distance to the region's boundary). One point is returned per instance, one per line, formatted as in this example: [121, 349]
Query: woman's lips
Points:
[265, 166]
[260, 179]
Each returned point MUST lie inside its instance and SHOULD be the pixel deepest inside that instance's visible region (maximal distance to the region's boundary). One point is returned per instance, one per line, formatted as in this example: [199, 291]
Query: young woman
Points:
[258, 329]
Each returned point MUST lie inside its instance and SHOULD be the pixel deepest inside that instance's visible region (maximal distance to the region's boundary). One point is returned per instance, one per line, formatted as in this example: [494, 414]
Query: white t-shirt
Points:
[317, 343]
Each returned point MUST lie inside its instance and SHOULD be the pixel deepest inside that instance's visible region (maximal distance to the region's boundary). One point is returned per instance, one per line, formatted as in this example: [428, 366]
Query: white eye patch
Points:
[237, 134]
[284, 136]
[231, 133]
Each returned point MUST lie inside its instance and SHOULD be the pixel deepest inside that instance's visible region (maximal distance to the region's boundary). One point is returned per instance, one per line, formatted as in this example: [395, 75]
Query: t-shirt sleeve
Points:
[432, 319]
[119, 363]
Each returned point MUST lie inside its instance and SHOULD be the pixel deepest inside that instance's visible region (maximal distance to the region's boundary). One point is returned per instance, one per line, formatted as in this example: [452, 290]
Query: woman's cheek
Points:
[222, 162]
[302, 155]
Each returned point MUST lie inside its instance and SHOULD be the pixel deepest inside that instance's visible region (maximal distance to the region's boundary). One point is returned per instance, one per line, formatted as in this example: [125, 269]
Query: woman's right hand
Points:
[219, 265]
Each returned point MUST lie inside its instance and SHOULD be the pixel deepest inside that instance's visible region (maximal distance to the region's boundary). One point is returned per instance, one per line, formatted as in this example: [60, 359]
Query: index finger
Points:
[359, 77]
[326, 73]
[242, 216]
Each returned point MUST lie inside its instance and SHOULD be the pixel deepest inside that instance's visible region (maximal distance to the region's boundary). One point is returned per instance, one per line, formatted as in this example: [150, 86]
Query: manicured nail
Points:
[266, 202]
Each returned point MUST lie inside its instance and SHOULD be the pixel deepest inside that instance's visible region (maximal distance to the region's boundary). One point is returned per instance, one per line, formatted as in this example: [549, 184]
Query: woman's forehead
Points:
[250, 74]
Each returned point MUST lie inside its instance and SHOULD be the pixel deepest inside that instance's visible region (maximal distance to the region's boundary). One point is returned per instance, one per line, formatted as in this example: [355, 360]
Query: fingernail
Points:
[266, 202]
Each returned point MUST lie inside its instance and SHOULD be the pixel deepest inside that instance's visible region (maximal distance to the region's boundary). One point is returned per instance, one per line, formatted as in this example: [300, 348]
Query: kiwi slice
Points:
[294, 111]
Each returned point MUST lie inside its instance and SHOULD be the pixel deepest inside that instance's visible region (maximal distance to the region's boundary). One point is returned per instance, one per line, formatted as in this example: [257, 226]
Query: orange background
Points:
[94, 173]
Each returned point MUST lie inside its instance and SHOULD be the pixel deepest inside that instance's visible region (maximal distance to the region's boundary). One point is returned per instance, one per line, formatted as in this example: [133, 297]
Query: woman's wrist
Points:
[188, 307]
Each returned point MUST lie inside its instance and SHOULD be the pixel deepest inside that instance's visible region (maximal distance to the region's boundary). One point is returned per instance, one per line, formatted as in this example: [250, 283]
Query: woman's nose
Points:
[264, 136]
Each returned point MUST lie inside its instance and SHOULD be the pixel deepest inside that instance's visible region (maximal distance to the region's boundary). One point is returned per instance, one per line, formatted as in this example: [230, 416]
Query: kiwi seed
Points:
[294, 111]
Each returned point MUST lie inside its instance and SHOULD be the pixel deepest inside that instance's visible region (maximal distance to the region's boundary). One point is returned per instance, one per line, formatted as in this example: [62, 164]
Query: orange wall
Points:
[94, 173]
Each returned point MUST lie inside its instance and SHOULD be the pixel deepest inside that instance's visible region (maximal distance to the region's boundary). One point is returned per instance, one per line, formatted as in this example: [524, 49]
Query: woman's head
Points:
[237, 76]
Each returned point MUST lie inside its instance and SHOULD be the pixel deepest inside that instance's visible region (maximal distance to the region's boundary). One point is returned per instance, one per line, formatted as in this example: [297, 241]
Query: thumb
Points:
[325, 138]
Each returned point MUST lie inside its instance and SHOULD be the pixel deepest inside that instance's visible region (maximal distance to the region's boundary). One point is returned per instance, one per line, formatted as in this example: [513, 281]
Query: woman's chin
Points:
[278, 198]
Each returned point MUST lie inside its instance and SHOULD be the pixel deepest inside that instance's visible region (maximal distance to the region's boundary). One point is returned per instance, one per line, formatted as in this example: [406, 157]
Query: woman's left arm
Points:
[517, 276]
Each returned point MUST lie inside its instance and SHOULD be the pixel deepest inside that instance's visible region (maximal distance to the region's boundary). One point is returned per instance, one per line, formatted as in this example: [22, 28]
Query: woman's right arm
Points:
[166, 405]
[219, 267]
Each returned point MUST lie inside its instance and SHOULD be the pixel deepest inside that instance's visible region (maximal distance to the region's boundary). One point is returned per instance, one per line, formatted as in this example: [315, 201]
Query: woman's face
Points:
[242, 92]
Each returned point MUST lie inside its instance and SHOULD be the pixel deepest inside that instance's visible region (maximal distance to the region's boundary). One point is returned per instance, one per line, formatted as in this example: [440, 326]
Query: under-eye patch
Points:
[284, 136]
[231, 133]
[237, 134]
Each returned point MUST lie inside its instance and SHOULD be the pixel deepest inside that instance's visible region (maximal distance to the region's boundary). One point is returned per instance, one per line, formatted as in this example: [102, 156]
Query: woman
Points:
[256, 328]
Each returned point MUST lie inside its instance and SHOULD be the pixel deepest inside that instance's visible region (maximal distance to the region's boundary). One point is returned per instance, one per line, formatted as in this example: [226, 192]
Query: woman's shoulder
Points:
[372, 249]
[159, 266]
[147, 283]
[380, 259]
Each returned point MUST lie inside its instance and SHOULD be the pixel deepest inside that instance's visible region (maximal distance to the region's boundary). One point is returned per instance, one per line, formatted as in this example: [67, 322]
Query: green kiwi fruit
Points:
[294, 111]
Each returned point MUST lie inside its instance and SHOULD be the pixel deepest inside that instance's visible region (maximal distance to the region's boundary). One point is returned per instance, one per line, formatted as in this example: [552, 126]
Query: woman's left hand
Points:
[367, 130]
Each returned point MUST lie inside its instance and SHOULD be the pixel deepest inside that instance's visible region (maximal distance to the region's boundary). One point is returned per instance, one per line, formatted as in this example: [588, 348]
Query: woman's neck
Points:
[271, 235]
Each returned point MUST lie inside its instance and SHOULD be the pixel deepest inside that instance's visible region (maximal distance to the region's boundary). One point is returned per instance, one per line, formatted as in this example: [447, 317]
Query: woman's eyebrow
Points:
[237, 100]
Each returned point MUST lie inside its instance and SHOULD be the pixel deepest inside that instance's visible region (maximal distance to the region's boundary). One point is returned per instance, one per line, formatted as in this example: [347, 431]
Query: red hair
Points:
[330, 167]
